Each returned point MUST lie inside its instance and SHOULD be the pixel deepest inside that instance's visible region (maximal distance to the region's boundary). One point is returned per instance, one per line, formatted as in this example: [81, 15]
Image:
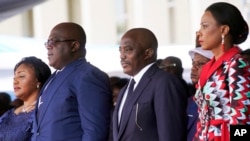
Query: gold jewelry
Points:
[37, 86]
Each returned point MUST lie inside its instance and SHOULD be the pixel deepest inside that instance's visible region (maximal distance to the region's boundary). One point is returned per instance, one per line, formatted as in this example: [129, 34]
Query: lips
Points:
[193, 76]
[50, 54]
[16, 89]
[124, 64]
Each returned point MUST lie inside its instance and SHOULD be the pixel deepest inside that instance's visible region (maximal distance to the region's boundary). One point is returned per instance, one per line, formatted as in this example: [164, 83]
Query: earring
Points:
[37, 86]
[223, 43]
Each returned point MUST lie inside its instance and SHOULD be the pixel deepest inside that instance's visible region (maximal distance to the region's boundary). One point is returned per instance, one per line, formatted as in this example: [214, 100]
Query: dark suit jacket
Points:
[156, 110]
[192, 114]
[75, 106]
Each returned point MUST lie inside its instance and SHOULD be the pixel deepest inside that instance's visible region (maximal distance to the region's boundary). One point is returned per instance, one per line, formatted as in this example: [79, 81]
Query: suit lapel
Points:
[52, 88]
[38, 103]
[50, 93]
[142, 84]
[115, 116]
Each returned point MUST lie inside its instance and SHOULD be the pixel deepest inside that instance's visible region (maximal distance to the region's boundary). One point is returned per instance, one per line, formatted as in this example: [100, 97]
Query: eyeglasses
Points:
[198, 64]
[53, 42]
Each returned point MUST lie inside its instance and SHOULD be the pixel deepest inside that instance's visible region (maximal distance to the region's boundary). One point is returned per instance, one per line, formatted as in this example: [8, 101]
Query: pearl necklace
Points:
[28, 108]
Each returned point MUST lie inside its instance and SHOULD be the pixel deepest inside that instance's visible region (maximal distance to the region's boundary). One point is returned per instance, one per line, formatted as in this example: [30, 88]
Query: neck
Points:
[27, 107]
[29, 103]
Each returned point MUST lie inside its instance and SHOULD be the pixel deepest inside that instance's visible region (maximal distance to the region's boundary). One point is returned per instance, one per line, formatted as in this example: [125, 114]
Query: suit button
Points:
[37, 133]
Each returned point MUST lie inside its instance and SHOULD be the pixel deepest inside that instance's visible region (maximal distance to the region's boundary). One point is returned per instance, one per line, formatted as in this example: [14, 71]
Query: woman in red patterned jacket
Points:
[222, 94]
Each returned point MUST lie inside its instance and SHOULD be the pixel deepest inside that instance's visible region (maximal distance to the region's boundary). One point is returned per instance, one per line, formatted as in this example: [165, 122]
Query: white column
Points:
[98, 20]
[47, 15]
[149, 14]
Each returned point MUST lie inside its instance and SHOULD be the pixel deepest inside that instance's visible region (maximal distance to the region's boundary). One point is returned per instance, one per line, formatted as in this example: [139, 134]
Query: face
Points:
[25, 82]
[132, 55]
[197, 64]
[210, 32]
[59, 48]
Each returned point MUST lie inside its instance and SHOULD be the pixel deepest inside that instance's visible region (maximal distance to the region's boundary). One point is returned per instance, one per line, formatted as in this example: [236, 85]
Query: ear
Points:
[75, 46]
[38, 85]
[225, 29]
[149, 53]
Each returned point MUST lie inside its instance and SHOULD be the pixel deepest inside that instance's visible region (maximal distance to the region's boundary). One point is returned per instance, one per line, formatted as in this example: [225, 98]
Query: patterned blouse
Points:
[223, 96]
[16, 127]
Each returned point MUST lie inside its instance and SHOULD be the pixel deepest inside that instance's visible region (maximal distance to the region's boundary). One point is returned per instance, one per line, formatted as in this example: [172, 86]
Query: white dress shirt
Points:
[137, 79]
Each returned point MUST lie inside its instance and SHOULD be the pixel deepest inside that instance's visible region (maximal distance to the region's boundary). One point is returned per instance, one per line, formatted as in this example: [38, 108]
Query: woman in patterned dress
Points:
[222, 93]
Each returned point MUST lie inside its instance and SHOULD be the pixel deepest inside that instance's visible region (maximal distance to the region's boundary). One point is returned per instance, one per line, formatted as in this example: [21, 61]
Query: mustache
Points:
[124, 62]
[193, 75]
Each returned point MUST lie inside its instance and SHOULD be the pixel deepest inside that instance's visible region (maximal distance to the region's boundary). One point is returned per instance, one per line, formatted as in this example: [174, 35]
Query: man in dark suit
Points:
[155, 110]
[75, 103]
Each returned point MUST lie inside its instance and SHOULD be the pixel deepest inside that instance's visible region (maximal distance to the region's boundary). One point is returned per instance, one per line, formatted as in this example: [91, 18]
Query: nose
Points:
[122, 53]
[48, 45]
[198, 33]
[194, 68]
[15, 81]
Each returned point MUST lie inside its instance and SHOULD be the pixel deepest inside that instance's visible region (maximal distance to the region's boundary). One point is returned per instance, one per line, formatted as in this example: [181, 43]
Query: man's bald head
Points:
[65, 44]
[72, 31]
[144, 38]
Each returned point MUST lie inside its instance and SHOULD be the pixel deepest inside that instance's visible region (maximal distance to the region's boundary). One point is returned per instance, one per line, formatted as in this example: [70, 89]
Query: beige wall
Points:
[173, 22]
[142, 13]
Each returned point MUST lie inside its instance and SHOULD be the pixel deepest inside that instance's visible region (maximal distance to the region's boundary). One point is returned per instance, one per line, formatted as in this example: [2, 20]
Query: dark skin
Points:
[61, 54]
[197, 64]
[138, 48]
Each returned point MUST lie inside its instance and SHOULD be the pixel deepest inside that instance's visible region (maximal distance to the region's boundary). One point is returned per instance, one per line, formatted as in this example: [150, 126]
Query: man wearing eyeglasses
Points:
[75, 104]
[199, 58]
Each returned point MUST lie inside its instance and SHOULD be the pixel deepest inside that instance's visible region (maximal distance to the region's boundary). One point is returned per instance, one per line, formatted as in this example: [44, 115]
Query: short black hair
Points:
[41, 69]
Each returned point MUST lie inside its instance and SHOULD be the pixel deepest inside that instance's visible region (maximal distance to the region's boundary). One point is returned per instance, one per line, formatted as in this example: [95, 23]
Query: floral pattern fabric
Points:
[16, 127]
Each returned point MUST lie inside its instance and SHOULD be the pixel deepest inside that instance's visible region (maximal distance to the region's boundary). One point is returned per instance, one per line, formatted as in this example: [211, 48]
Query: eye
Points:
[21, 76]
[198, 64]
[204, 26]
[128, 49]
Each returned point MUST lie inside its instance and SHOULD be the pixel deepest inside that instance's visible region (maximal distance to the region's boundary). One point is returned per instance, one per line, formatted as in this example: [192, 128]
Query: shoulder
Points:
[238, 62]
[6, 115]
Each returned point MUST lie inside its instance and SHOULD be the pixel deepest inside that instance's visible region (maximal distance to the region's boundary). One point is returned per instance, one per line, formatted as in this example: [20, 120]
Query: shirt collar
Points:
[139, 75]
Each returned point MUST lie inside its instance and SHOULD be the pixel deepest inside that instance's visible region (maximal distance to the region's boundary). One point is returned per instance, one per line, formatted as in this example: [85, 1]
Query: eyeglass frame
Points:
[198, 64]
[53, 42]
